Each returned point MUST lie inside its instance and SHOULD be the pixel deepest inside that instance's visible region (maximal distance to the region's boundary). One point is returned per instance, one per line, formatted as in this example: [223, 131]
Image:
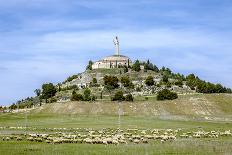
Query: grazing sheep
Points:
[88, 140]
[19, 139]
[136, 141]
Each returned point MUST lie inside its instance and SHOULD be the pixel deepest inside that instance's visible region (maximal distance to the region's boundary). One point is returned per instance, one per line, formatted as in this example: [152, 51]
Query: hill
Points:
[201, 107]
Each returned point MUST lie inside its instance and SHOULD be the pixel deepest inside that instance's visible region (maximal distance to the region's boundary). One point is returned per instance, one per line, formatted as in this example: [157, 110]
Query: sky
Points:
[48, 40]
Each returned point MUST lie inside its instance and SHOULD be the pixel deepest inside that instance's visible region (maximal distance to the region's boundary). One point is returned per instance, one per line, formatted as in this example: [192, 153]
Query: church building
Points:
[113, 61]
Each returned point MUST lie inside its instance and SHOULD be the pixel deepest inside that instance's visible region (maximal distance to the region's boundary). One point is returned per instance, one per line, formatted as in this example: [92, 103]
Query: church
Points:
[113, 61]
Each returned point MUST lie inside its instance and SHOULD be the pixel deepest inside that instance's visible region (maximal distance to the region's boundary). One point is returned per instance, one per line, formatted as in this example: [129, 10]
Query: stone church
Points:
[113, 61]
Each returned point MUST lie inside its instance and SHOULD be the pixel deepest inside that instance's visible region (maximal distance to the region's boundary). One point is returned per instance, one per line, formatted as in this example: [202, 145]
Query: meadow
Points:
[68, 117]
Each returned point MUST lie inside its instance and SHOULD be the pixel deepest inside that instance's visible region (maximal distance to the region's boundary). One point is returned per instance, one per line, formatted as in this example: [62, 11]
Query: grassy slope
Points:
[186, 107]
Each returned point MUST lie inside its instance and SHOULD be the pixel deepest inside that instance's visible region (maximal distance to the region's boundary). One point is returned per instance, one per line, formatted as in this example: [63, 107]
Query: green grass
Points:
[103, 121]
[178, 147]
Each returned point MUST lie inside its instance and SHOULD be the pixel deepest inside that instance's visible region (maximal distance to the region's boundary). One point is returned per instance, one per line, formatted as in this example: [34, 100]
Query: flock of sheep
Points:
[107, 136]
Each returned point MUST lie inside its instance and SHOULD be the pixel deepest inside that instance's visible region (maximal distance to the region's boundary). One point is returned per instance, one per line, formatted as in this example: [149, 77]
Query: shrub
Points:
[149, 81]
[87, 94]
[89, 66]
[94, 81]
[76, 97]
[165, 78]
[111, 81]
[136, 66]
[118, 96]
[129, 98]
[127, 83]
[70, 78]
[179, 83]
[166, 95]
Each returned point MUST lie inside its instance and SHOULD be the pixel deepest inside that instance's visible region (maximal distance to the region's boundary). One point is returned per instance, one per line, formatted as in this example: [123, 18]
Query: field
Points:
[191, 113]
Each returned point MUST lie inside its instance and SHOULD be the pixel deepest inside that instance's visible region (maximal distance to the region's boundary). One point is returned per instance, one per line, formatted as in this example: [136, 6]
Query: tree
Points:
[59, 87]
[136, 66]
[129, 98]
[179, 83]
[118, 96]
[76, 97]
[149, 81]
[70, 78]
[165, 79]
[89, 66]
[125, 81]
[125, 69]
[94, 81]
[166, 95]
[37, 92]
[111, 82]
[48, 91]
[87, 94]
[149, 66]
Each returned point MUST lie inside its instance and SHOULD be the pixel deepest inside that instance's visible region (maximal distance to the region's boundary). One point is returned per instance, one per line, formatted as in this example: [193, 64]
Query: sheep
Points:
[136, 141]
[114, 141]
[144, 140]
[88, 140]
[19, 139]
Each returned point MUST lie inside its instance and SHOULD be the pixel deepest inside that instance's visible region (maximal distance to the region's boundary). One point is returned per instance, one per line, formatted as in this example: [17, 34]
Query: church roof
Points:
[116, 57]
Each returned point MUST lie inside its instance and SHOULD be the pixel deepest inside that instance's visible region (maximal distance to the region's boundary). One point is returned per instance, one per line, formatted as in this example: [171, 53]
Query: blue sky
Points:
[48, 40]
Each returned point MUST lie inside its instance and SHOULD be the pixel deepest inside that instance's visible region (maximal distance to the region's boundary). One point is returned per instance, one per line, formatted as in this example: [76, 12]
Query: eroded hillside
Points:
[216, 107]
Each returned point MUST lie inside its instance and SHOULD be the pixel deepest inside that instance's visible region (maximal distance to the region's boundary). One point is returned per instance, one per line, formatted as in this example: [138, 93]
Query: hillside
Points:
[103, 84]
[217, 107]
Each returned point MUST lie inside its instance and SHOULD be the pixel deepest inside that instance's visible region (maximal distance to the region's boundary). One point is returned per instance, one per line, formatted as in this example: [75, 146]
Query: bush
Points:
[166, 95]
[149, 81]
[76, 97]
[179, 83]
[129, 98]
[127, 83]
[53, 100]
[165, 78]
[118, 96]
[87, 94]
[111, 81]
[136, 66]
[70, 78]
[89, 66]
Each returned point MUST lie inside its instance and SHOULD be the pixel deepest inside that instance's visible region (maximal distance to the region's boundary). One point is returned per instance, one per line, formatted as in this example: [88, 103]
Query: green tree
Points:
[125, 81]
[87, 94]
[179, 83]
[94, 81]
[118, 96]
[111, 82]
[70, 78]
[136, 66]
[125, 69]
[149, 81]
[37, 92]
[59, 87]
[129, 98]
[149, 66]
[165, 79]
[166, 95]
[76, 97]
[89, 66]
[48, 91]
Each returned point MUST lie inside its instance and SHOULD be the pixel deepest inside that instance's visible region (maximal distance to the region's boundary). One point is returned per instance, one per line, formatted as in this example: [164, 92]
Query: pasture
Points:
[96, 128]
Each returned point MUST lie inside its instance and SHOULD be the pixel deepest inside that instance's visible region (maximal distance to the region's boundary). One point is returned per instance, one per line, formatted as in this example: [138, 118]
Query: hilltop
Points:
[139, 81]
